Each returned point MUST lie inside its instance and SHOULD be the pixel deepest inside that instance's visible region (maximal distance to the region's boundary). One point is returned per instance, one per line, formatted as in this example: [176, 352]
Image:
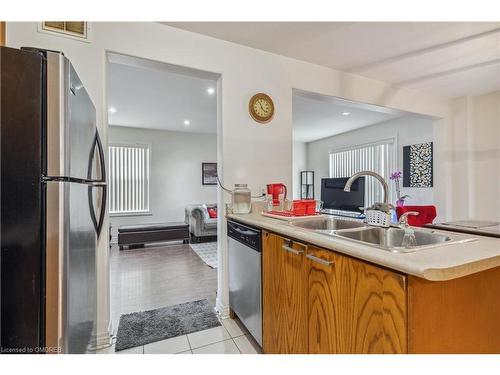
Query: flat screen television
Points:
[335, 198]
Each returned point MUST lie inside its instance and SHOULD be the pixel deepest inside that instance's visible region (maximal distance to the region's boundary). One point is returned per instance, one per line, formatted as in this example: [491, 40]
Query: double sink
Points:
[390, 239]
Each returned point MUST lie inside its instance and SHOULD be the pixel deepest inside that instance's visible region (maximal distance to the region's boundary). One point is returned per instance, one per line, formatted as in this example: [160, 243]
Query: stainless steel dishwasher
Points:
[245, 285]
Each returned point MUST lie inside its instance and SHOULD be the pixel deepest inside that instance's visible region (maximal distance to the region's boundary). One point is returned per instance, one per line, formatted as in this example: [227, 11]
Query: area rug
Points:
[145, 327]
[207, 252]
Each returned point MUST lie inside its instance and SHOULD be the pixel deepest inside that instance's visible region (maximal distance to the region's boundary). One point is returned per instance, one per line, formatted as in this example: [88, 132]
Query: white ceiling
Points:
[153, 95]
[448, 58]
[317, 116]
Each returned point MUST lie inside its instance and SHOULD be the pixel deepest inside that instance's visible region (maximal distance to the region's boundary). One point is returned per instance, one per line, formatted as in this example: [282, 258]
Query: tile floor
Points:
[229, 338]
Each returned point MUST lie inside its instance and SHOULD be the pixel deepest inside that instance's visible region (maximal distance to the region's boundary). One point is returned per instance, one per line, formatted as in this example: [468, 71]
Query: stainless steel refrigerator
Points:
[53, 199]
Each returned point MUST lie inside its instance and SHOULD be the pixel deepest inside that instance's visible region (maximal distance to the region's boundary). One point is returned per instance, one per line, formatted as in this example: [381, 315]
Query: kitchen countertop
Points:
[488, 230]
[449, 261]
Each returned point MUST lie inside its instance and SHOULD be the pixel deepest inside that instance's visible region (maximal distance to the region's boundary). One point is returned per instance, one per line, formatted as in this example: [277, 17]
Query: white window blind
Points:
[128, 179]
[377, 157]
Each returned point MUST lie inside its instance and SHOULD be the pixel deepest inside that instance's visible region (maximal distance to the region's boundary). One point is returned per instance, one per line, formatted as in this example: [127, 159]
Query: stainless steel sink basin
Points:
[389, 239]
[328, 224]
[392, 238]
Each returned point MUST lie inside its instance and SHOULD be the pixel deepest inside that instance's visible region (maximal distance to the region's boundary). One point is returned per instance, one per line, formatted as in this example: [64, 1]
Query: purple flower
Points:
[395, 175]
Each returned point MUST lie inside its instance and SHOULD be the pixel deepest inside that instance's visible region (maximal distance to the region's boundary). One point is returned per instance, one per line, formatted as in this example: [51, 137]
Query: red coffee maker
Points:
[275, 190]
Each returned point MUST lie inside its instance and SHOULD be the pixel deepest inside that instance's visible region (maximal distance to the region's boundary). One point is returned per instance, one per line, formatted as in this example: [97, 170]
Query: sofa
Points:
[202, 227]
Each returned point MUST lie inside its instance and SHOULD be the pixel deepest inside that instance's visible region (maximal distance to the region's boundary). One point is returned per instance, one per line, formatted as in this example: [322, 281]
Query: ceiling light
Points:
[346, 113]
[210, 91]
[112, 110]
[187, 122]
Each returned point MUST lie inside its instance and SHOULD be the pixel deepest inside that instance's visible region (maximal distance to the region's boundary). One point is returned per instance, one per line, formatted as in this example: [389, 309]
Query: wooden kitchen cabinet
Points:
[322, 296]
[461, 315]
[353, 306]
[284, 296]
[318, 301]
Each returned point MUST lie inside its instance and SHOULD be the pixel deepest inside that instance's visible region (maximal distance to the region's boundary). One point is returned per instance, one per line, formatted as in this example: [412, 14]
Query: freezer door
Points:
[71, 122]
[79, 272]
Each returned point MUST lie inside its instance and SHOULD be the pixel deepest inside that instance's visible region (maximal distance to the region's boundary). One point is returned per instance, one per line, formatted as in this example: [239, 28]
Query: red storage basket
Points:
[304, 207]
[299, 208]
[310, 207]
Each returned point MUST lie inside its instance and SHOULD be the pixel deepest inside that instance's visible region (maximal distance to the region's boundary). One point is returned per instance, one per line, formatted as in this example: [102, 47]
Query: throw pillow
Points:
[212, 212]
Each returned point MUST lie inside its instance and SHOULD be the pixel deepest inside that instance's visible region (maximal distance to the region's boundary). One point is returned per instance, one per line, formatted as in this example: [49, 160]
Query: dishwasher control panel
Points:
[248, 236]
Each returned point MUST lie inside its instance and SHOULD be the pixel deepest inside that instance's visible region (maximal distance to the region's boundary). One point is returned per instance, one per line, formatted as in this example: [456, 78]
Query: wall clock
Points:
[261, 108]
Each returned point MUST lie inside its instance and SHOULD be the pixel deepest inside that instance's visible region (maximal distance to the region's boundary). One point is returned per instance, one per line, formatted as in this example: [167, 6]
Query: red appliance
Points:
[426, 214]
[275, 190]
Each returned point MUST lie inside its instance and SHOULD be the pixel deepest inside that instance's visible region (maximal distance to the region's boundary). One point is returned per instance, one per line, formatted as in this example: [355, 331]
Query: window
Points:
[377, 157]
[128, 179]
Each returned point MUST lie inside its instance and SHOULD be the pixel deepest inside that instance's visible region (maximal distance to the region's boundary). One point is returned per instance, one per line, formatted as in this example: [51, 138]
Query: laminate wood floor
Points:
[153, 277]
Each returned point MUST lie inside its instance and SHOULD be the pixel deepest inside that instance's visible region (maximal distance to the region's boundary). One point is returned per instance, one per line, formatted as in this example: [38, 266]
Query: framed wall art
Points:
[209, 173]
[418, 165]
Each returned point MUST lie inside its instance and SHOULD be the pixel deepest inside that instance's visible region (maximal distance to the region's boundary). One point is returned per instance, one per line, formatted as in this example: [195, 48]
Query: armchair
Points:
[201, 225]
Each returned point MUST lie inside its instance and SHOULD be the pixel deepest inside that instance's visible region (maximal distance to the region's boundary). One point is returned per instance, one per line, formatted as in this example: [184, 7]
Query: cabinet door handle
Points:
[289, 249]
[319, 260]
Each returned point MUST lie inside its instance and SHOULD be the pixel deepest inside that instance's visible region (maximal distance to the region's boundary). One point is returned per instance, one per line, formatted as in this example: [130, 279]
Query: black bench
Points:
[139, 235]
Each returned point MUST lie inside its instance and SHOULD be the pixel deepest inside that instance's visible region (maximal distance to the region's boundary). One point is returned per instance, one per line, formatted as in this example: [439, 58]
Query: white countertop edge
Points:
[428, 264]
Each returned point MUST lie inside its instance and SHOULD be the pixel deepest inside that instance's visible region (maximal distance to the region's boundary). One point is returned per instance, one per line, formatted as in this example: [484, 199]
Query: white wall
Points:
[175, 171]
[476, 140]
[299, 162]
[406, 131]
[245, 71]
[246, 148]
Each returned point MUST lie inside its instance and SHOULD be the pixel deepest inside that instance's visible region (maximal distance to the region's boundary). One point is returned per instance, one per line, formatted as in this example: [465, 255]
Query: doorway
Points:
[162, 160]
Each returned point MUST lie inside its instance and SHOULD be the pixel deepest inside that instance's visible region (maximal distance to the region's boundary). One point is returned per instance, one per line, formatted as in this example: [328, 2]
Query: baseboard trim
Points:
[222, 310]
[103, 339]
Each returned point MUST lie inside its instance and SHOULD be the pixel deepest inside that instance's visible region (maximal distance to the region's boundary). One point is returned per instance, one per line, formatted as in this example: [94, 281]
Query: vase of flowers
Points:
[396, 176]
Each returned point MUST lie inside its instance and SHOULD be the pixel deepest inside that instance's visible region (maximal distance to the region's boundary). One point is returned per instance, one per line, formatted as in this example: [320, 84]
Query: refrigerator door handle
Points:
[102, 160]
[100, 184]
[104, 195]
[98, 222]
[85, 181]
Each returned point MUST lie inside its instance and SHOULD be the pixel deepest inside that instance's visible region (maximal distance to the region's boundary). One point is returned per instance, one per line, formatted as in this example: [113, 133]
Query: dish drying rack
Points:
[378, 218]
